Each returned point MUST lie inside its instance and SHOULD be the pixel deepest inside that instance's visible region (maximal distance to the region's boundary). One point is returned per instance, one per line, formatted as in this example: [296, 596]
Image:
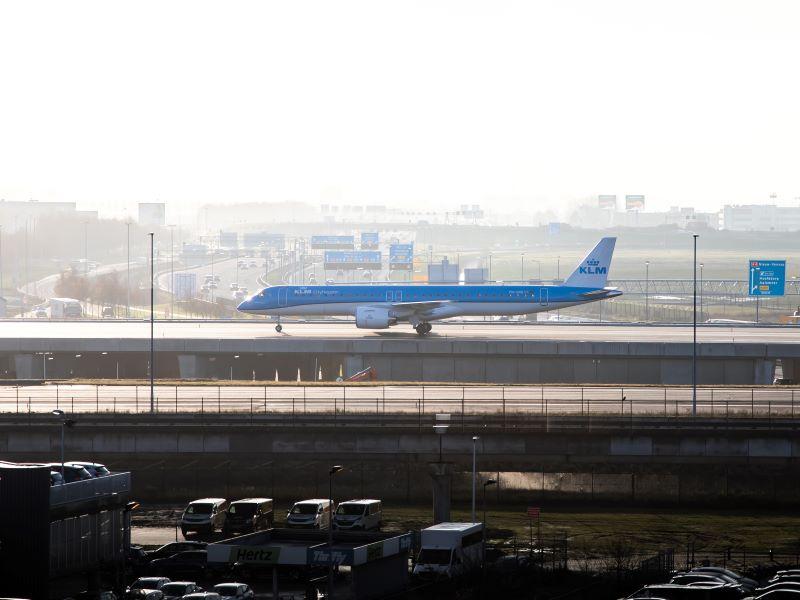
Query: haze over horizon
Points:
[516, 106]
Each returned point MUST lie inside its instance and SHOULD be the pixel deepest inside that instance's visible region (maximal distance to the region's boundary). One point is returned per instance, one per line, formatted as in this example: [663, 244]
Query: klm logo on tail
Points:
[592, 268]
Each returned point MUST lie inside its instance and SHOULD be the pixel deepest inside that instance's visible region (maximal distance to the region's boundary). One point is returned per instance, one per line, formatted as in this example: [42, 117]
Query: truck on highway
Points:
[65, 308]
[449, 550]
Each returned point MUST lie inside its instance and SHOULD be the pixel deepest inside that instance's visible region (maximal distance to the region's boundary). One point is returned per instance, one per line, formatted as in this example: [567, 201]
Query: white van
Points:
[358, 514]
[204, 516]
[449, 550]
[310, 514]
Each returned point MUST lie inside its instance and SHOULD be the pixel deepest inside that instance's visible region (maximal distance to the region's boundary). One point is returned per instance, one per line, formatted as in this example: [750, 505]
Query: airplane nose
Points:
[243, 305]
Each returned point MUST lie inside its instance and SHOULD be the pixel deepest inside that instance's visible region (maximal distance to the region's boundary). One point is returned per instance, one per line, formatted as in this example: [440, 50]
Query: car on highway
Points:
[204, 516]
[40, 313]
[252, 264]
[174, 548]
[148, 583]
[107, 312]
[234, 591]
[175, 590]
[190, 562]
[234, 286]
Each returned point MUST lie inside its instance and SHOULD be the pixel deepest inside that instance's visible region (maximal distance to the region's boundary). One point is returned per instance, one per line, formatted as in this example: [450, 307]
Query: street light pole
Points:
[694, 329]
[152, 322]
[475, 439]
[171, 272]
[701, 292]
[333, 471]
[490, 267]
[521, 274]
[86, 248]
[647, 291]
[128, 300]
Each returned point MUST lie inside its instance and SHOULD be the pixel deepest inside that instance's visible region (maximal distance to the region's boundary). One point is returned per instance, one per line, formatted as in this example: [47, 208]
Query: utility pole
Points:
[85, 248]
[475, 439]
[152, 323]
[128, 300]
[647, 291]
[694, 330]
[1, 260]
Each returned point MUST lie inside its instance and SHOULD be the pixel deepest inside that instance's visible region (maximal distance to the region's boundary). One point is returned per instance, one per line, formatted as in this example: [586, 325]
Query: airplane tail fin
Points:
[592, 271]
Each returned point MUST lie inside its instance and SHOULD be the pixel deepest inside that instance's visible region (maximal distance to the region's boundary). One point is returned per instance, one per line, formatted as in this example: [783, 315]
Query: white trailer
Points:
[449, 550]
[65, 308]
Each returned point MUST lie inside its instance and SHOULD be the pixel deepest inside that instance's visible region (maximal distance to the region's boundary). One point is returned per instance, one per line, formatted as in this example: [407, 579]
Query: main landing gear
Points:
[423, 328]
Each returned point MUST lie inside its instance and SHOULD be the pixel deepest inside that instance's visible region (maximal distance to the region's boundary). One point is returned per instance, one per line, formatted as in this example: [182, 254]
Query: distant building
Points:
[14, 214]
[594, 217]
[152, 214]
[760, 217]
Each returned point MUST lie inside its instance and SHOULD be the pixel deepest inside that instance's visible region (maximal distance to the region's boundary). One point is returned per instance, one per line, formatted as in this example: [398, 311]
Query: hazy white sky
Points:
[107, 103]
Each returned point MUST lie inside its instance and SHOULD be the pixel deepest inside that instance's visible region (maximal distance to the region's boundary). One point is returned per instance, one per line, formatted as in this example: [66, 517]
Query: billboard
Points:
[767, 277]
[254, 239]
[352, 260]
[607, 201]
[228, 239]
[370, 240]
[152, 214]
[401, 256]
[332, 242]
[634, 202]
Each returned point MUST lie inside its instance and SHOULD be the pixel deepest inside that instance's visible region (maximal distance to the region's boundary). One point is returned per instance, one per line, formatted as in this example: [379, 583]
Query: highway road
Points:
[424, 401]
[261, 329]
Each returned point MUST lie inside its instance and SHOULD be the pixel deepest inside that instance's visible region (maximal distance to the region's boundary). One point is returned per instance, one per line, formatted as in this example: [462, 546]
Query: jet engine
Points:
[373, 317]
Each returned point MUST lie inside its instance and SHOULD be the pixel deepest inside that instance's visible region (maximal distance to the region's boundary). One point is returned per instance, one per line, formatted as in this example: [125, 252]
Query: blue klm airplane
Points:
[381, 306]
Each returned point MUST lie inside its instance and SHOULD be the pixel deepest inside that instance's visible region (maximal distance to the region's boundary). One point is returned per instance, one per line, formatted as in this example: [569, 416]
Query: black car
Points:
[173, 548]
[190, 562]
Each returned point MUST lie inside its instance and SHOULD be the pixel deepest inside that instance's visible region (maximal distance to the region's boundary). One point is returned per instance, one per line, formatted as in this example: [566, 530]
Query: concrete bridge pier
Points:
[442, 477]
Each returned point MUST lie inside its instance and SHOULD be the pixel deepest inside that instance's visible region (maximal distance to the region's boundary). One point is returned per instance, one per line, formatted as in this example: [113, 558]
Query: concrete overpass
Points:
[468, 352]
[649, 460]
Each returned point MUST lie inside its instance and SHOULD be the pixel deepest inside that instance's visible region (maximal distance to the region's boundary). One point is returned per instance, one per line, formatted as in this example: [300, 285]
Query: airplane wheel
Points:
[428, 327]
[278, 328]
[423, 328]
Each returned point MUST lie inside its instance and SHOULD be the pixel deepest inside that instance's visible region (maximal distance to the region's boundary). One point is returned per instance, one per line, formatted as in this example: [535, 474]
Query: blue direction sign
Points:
[767, 277]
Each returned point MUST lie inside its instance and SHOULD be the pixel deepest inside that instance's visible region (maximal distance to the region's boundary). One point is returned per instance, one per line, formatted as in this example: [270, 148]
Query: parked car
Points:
[148, 583]
[96, 595]
[310, 514]
[192, 562]
[202, 596]
[175, 590]
[358, 514]
[779, 585]
[71, 473]
[55, 478]
[249, 514]
[204, 516]
[694, 577]
[745, 582]
[144, 595]
[234, 591]
[94, 469]
[671, 591]
[780, 594]
[173, 548]
[136, 559]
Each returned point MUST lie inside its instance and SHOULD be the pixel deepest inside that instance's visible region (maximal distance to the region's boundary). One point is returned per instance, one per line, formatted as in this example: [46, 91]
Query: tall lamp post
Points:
[65, 422]
[486, 484]
[152, 323]
[128, 296]
[490, 267]
[475, 439]
[694, 328]
[647, 291]
[333, 471]
[172, 271]
[521, 274]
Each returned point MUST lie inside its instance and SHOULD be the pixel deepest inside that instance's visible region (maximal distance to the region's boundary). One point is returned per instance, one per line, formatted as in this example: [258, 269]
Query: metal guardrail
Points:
[508, 401]
[77, 491]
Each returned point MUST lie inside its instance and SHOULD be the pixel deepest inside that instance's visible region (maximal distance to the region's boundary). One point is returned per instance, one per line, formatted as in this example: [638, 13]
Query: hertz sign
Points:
[262, 555]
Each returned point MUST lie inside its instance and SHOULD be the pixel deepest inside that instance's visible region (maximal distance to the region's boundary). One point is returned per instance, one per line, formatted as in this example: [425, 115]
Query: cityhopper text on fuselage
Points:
[382, 306]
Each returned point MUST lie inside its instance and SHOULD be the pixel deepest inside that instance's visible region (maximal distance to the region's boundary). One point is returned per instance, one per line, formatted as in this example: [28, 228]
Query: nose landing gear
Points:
[278, 328]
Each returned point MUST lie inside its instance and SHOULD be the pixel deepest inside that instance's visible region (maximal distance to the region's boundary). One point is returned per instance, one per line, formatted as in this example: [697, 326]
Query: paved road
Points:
[251, 329]
[416, 400]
